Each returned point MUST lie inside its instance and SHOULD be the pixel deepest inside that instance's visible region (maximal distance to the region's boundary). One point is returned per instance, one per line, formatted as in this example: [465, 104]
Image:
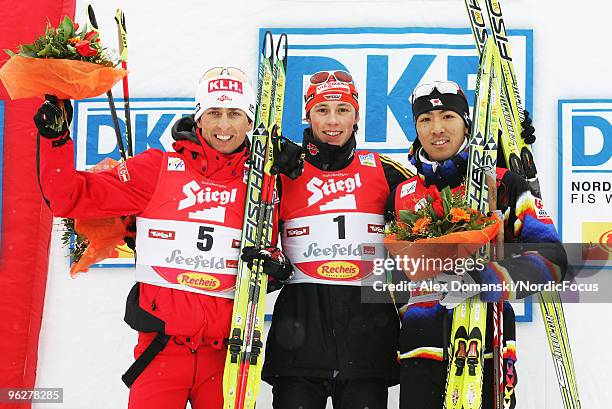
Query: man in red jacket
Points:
[189, 211]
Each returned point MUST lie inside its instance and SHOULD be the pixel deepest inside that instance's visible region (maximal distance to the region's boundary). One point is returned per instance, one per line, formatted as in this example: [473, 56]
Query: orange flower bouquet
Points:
[64, 62]
[442, 227]
[93, 240]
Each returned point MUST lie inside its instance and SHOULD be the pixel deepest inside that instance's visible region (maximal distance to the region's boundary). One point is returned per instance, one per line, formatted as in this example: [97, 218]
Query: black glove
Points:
[50, 113]
[288, 156]
[275, 263]
[528, 133]
[130, 231]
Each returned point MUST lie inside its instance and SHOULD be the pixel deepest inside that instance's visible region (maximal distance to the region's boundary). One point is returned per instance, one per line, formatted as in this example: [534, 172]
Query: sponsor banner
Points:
[585, 182]
[387, 64]
[152, 119]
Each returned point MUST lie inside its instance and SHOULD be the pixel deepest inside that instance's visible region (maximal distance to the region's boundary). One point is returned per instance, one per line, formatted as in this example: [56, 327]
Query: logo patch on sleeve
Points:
[408, 188]
[123, 173]
[367, 160]
[541, 213]
[176, 164]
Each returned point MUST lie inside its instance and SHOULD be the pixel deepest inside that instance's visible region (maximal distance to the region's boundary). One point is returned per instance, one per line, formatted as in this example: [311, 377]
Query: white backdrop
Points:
[85, 346]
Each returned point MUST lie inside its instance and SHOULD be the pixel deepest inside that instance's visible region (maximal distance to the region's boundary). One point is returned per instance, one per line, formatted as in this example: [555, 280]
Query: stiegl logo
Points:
[196, 194]
[319, 188]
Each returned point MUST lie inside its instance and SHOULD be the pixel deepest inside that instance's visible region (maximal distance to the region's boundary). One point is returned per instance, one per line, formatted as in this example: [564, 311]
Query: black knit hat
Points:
[455, 101]
[436, 100]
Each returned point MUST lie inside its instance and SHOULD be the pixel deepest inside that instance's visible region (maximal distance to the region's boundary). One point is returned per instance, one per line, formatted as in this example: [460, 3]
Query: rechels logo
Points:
[225, 85]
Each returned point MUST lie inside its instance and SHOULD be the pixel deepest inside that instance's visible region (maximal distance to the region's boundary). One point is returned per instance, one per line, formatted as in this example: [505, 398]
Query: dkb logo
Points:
[387, 64]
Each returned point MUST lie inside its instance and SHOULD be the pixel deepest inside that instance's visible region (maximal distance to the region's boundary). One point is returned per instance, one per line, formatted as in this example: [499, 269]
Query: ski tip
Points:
[267, 48]
[92, 16]
[282, 47]
[120, 18]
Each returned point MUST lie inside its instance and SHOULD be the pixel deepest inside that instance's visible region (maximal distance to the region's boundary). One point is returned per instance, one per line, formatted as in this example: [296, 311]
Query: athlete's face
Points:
[224, 129]
[441, 133]
[332, 122]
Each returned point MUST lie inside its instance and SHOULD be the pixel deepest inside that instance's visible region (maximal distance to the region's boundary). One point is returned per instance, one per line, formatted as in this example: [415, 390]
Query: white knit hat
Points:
[225, 87]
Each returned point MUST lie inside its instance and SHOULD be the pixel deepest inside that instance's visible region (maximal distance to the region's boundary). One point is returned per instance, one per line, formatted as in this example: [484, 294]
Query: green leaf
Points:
[9, 52]
[28, 48]
[45, 51]
[66, 27]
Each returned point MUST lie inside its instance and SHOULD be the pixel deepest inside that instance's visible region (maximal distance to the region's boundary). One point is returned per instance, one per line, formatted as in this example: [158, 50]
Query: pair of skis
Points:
[123, 57]
[520, 160]
[242, 374]
[466, 361]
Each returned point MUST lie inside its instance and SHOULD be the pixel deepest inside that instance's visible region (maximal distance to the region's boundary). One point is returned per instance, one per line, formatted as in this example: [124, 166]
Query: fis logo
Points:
[176, 164]
[339, 189]
[408, 188]
[225, 85]
[387, 65]
[195, 193]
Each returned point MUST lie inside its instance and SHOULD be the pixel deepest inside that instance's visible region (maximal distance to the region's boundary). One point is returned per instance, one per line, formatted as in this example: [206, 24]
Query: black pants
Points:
[423, 381]
[312, 393]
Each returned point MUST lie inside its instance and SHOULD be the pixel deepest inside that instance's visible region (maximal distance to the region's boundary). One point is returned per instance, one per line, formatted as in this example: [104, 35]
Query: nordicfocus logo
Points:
[161, 234]
[331, 252]
[298, 231]
[376, 228]
[338, 270]
[319, 188]
[225, 85]
[196, 194]
[199, 280]
[231, 263]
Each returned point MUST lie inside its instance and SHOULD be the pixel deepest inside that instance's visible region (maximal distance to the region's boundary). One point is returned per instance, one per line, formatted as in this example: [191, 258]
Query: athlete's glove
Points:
[288, 156]
[130, 231]
[528, 133]
[50, 119]
[459, 286]
[275, 263]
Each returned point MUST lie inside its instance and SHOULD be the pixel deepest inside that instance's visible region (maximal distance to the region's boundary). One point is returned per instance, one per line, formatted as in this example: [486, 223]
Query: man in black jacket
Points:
[325, 341]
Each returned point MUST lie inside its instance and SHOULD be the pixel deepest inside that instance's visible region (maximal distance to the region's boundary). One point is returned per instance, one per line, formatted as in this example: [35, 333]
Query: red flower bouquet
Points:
[64, 62]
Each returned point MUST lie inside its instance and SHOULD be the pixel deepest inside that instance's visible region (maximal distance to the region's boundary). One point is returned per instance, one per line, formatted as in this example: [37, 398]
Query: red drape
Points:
[26, 220]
